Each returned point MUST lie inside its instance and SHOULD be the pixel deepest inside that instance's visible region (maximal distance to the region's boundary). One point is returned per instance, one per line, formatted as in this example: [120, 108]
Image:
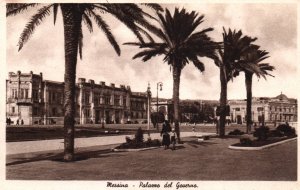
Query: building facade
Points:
[277, 109]
[37, 101]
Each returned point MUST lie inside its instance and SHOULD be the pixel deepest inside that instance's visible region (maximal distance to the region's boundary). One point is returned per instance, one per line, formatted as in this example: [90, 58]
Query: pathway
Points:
[58, 144]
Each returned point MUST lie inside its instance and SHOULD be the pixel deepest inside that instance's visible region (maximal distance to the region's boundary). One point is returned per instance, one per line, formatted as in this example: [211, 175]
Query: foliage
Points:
[157, 117]
[138, 141]
[236, 132]
[275, 133]
[261, 133]
[246, 141]
[129, 14]
[139, 135]
[286, 130]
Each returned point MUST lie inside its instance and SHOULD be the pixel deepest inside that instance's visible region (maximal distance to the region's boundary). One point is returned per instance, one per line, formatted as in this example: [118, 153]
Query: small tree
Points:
[139, 135]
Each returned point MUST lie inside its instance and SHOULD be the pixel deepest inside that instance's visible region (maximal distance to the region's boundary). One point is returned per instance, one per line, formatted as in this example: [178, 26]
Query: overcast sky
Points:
[275, 26]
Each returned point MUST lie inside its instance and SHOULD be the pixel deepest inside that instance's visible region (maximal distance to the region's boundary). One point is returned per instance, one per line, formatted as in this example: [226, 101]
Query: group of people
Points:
[168, 139]
[9, 121]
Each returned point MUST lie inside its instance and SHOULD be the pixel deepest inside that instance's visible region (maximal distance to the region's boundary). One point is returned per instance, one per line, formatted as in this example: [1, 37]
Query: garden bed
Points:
[271, 140]
[139, 145]
[259, 145]
[263, 137]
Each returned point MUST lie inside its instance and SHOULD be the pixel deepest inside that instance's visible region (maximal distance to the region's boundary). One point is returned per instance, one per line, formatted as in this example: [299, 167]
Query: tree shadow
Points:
[196, 143]
[58, 157]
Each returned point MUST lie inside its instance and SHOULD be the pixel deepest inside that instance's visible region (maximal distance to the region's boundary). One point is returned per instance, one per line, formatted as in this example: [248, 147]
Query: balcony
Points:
[24, 101]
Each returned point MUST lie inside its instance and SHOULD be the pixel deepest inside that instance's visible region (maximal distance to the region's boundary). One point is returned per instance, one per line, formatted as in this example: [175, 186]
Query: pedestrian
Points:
[165, 134]
[173, 138]
[17, 121]
[7, 121]
[22, 122]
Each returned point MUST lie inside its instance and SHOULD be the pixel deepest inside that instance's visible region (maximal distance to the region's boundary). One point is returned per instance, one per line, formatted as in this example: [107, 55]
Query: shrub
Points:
[286, 130]
[139, 135]
[128, 140]
[236, 132]
[154, 142]
[245, 141]
[275, 133]
[261, 133]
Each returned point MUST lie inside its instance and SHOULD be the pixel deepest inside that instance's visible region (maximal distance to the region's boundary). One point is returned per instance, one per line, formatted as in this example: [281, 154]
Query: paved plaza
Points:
[192, 160]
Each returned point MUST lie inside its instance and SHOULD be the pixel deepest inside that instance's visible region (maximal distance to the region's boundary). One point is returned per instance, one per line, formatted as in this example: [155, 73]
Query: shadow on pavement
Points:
[58, 157]
[196, 143]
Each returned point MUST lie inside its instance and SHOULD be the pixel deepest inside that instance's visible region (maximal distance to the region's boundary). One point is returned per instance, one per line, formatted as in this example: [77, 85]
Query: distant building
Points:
[264, 109]
[37, 101]
[194, 111]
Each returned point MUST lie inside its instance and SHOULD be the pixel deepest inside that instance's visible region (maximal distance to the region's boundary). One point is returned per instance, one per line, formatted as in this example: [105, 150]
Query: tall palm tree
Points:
[251, 65]
[235, 45]
[73, 15]
[180, 44]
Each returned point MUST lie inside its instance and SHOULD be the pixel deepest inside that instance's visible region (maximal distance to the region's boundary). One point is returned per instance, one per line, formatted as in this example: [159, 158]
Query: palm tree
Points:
[73, 16]
[180, 44]
[251, 65]
[235, 45]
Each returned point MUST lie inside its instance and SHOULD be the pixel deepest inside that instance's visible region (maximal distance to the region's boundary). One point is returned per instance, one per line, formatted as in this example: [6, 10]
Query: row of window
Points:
[282, 109]
[23, 93]
[137, 105]
[104, 99]
[273, 108]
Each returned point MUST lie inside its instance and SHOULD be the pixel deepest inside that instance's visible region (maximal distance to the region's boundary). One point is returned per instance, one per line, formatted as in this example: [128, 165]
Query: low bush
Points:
[275, 133]
[236, 132]
[138, 141]
[286, 130]
[128, 140]
[154, 142]
[261, 133]
[245, 141]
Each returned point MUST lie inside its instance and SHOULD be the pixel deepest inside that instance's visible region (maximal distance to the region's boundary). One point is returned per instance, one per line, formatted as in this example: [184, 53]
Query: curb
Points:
[261, 147]
[133, 149]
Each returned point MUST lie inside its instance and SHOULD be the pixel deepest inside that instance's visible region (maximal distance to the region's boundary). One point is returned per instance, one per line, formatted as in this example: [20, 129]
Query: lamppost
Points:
[148, 108]
[159, 84]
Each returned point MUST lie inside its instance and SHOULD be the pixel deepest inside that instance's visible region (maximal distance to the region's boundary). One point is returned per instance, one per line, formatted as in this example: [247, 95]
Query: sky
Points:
[275, 26]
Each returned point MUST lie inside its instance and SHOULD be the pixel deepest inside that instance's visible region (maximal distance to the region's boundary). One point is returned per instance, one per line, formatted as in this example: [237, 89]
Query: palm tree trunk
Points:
[72, 25]
[223, 101]
[248, 81]
[176, 83]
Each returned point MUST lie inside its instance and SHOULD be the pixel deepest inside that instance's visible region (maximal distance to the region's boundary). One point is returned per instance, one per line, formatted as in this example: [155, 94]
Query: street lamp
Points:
[159, 84]
[148, 109]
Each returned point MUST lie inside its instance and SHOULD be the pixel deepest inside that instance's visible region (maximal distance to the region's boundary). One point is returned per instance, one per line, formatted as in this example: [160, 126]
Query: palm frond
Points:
[198, 64]
[55, 8]
[137, 14]
[13, 9]
[80, 43]
[148, 54]
[154, 6]
[105, 28]
[119, 11]
[34, 21]
[87, 21]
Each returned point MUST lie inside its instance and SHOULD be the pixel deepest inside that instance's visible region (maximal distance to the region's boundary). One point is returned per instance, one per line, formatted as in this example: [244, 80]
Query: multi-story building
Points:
[277, 109]
[37, 101]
